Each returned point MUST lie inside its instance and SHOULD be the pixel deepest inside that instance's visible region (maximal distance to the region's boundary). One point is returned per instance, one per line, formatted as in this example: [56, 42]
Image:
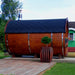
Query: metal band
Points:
[62, 45]
[7, 40]
[29, 43]
[7, 43]
[51, 39]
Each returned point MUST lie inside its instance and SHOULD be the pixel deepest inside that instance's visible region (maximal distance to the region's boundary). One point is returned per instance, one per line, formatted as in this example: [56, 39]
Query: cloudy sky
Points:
[48, 9]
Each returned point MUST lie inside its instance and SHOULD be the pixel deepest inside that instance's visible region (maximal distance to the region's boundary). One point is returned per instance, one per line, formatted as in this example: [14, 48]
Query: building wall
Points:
[71, 43]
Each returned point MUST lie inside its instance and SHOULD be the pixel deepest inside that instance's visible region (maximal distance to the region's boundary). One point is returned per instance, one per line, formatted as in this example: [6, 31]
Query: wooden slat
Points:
[35, 42]
[71, 49]
[18, 43]
[46, 54]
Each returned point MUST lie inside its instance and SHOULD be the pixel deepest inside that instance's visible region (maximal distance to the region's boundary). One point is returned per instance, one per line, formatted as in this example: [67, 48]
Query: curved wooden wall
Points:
[57, 43]
[35, 42]
[18, 43]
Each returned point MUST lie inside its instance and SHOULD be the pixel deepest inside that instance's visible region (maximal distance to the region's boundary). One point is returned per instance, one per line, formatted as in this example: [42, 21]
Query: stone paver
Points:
[23, 66]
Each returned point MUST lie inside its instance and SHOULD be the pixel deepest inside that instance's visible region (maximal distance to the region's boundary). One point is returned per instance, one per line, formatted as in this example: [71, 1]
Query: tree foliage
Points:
[2, 34]
[46, 40]
[10, 9]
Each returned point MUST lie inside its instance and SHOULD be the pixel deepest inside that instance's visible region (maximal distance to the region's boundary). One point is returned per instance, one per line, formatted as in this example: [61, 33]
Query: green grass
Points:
[2, 55]
[62, 69]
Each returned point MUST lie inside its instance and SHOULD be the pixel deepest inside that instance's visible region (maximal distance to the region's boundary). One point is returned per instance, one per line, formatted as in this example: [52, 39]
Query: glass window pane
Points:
[71, 36]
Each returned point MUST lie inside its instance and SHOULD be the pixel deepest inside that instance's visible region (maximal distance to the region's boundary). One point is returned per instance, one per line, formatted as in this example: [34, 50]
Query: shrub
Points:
[46, 40]
[1, 47]
[2, 34]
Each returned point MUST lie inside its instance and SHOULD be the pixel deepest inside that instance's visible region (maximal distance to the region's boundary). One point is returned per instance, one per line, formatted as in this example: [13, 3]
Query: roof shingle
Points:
[37, 26]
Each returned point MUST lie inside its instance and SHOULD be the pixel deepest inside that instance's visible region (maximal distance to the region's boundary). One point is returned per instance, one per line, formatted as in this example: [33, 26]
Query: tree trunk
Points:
[46, 45]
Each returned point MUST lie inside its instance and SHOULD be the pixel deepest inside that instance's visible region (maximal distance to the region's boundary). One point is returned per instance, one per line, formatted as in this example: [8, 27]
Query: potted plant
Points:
[46, 53]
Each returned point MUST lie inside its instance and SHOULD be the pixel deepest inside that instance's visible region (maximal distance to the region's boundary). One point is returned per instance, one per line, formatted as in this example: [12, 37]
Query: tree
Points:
[2, 34]
[10, 9]
[46, 40]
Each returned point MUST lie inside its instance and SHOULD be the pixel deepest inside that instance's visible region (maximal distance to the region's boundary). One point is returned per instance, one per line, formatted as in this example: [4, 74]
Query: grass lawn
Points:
[62, 69]
[2, 55]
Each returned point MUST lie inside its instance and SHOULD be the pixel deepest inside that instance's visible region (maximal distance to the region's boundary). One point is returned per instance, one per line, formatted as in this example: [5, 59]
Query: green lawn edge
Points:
[61, 69]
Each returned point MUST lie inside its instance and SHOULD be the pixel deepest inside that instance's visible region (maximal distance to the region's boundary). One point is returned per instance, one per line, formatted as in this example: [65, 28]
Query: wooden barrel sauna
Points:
[23, 37]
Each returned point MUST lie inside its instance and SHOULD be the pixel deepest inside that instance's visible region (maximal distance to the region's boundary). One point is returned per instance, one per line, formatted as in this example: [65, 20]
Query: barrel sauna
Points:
[23, 37]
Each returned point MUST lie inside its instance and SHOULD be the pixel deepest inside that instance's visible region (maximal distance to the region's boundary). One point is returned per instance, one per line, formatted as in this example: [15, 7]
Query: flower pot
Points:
[46, 54]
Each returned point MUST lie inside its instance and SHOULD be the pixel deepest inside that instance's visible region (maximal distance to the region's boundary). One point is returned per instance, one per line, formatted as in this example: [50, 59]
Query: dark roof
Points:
[36, 26]
[71, 24]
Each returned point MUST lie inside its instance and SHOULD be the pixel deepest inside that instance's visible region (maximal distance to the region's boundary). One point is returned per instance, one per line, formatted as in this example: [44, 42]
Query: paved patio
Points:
[23, 66]
[66, 59]
[27, 66]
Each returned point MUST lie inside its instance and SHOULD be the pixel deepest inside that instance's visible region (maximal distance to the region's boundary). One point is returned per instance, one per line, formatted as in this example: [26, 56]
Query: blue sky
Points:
[48, 9]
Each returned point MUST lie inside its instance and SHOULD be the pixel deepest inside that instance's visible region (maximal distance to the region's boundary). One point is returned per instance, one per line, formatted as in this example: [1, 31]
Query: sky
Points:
[48, 9]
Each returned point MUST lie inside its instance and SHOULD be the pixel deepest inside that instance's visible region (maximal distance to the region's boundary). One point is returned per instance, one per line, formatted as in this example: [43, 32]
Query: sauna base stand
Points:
[60, 56]
[36, 55]
[14, 55]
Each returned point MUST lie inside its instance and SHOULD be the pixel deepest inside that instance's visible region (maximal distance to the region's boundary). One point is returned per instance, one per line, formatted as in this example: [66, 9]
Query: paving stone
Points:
[23, 66]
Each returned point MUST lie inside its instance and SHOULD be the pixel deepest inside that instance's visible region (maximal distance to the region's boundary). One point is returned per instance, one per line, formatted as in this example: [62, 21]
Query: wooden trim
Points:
[72, 29]
[71, 49]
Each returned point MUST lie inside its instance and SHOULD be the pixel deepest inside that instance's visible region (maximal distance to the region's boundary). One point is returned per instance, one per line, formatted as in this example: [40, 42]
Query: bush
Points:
[1, 47]
[2, 35]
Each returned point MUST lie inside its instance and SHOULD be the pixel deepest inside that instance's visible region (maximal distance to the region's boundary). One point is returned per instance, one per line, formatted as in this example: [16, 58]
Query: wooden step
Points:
[71, 54]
